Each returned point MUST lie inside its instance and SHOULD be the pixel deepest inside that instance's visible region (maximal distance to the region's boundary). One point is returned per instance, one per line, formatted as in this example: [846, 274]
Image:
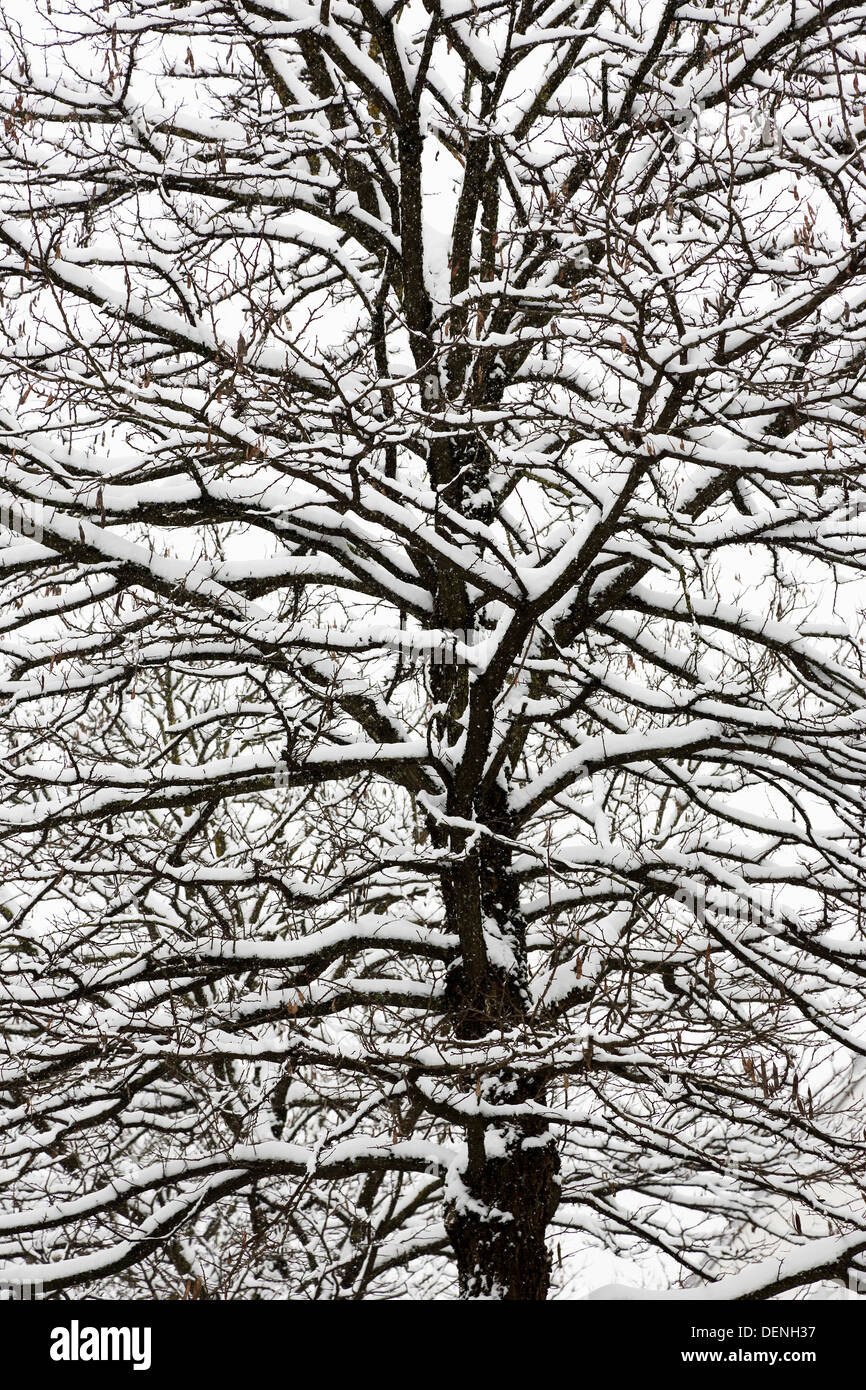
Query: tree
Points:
[433, 743]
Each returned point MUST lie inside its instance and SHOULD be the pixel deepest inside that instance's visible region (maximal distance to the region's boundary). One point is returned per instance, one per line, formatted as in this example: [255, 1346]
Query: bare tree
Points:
[432, 458]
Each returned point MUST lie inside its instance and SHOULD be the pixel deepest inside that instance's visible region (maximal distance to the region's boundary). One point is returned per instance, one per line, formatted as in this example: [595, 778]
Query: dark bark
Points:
[498, 1233]
[511, 1189]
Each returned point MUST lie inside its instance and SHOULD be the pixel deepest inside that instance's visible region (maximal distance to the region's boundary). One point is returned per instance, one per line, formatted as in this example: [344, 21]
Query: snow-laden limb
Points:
[810, 1263]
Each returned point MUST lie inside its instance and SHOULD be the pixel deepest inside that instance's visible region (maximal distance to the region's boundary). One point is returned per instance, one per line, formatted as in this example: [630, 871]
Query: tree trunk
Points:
[498, 1232]
[497, 1226]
